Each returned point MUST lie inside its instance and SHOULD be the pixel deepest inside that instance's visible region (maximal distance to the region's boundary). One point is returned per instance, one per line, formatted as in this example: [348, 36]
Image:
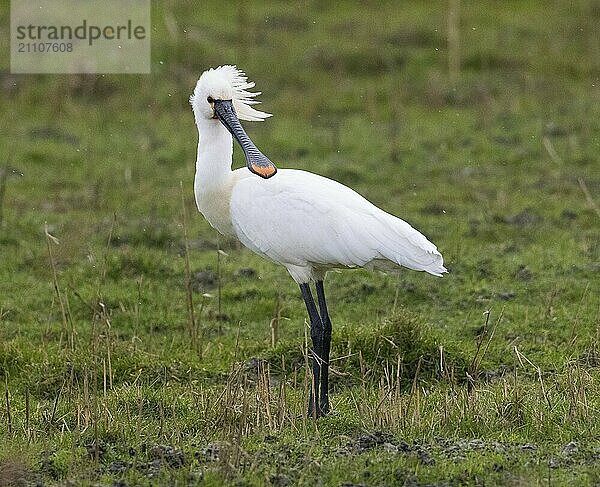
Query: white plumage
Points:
[310, 224]
[305, 222]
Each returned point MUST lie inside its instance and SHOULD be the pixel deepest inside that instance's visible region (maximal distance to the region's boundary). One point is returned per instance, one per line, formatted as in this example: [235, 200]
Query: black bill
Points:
[256, 161]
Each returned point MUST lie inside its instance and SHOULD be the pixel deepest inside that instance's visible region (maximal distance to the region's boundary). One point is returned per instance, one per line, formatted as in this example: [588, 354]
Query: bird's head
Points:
[225, 83]
[221, 96]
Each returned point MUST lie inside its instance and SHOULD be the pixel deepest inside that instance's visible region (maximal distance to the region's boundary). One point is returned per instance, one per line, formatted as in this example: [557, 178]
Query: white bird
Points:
[305, 222]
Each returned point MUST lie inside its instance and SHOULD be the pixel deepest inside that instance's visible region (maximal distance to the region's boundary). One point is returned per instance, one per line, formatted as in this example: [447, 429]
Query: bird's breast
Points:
[214, 204]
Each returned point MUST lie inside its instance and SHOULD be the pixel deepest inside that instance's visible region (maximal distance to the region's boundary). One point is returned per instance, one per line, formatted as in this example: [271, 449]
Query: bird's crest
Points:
[238, 82]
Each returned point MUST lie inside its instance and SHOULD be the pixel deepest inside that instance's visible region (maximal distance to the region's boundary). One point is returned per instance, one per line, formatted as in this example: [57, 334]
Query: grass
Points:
[139, 348]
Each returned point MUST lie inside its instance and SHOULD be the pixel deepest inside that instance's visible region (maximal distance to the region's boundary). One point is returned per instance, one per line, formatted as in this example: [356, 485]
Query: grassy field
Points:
[490, 146]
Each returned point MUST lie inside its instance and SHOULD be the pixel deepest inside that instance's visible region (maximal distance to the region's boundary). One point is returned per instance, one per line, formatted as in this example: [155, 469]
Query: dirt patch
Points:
[13, 473]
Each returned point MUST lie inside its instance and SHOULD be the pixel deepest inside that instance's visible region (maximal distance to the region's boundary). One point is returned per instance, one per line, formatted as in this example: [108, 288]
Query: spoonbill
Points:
[305, 222]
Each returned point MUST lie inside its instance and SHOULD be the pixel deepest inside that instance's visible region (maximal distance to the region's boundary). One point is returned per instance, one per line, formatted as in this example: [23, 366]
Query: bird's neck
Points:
[214, 178]
[214, 158]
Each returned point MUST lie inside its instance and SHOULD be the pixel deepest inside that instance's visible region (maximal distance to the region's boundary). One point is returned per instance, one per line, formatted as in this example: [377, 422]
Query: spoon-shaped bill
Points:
[256, 161]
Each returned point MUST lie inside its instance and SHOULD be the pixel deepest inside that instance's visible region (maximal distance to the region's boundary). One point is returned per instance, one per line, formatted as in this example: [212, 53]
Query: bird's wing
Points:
[299, 218]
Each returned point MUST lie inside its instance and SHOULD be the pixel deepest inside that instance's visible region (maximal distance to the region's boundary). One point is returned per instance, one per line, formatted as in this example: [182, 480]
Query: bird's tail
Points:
[402, 245]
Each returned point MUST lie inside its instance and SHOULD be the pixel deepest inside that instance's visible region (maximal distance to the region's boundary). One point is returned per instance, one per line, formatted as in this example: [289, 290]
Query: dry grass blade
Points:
[63, 310]
[473, 370]
[588, 196]
[9, 425]
[220, 254]
[192, 325]
[3, 178]
[551, 150]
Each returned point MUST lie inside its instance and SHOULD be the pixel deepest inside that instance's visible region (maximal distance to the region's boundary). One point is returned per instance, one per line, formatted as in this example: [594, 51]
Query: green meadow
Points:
[137, 347]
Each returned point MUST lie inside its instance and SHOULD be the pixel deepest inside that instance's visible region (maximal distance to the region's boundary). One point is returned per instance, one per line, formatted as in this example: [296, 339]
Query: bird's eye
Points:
[210, 99]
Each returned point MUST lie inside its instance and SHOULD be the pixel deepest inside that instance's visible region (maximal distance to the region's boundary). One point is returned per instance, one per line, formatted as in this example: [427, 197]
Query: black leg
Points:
[316, 334]
[324, 397]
